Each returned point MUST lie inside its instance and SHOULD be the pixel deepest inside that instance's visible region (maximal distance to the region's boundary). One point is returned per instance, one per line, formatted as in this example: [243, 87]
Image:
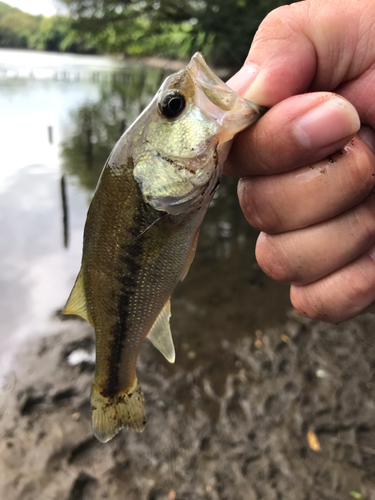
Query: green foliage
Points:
[222, 29]
[50, 34]
[21, 30]
[16, 27]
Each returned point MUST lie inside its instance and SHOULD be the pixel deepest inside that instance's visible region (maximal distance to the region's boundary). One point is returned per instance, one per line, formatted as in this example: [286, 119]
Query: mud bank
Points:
[242, 425]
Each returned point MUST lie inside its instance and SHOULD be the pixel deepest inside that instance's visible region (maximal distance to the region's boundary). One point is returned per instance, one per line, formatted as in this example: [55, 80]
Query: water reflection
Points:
[56, 133]
[98, 126]
[34, 269]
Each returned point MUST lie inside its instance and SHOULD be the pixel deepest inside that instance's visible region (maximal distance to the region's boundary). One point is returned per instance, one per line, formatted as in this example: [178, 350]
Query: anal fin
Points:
[77, 300]
[160, 334]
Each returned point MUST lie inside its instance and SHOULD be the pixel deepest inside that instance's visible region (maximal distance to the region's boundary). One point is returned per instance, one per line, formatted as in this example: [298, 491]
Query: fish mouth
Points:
[217, 100]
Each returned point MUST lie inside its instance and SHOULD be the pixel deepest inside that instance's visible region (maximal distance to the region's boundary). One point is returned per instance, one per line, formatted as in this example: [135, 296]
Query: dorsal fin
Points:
[77, 300]
[191, 255]
[160, 334]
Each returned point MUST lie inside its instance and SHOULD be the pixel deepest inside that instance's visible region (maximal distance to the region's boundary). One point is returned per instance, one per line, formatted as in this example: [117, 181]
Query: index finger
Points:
[295, 132]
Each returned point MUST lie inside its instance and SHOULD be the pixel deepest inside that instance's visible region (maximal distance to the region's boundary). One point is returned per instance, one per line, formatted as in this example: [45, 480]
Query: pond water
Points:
[60, 117]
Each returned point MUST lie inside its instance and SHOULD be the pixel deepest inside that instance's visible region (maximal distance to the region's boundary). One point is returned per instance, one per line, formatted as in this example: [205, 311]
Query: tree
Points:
[56, 33]
[16, 27]
[221, 29]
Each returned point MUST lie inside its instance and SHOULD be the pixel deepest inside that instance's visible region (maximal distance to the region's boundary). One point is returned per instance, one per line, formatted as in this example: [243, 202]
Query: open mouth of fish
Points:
[218, 101]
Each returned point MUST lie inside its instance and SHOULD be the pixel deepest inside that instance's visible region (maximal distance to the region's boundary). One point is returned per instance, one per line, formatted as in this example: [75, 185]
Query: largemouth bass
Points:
[142, 229]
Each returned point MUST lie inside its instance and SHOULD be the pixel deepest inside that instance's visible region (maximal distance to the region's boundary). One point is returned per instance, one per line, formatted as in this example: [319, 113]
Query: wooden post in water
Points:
[89, 143]
[65, 211]
[50, 134]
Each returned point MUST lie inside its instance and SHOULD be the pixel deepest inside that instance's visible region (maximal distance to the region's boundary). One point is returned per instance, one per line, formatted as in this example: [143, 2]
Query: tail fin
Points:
[111, 414]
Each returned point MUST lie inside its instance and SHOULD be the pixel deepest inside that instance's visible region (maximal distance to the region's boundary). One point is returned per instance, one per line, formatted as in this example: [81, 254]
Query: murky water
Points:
[60, 116]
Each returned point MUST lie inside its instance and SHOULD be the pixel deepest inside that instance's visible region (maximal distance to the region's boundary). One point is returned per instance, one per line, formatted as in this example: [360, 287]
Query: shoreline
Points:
[171, 65]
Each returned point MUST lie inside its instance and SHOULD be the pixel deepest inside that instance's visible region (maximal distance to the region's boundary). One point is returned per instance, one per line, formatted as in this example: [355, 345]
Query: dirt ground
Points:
[284, 413]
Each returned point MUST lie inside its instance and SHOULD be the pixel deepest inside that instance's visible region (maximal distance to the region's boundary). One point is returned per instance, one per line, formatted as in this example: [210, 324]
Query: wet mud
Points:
[285, 412]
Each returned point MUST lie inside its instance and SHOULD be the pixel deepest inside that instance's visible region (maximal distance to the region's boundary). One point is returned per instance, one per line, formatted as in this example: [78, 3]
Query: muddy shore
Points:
[284, 413]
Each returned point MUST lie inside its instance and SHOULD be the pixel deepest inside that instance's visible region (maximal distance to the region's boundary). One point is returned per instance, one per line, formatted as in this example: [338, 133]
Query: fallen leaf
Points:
[313, 441]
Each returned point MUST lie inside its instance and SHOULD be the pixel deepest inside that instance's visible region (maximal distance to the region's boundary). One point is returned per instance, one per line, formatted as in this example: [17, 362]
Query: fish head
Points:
[186, 137]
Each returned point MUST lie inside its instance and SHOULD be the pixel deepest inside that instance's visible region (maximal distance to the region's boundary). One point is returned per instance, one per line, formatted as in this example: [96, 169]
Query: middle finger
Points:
[309, 195]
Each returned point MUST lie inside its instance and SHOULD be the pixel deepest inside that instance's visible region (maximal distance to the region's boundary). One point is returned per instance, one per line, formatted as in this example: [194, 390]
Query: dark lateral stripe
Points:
[130, 264]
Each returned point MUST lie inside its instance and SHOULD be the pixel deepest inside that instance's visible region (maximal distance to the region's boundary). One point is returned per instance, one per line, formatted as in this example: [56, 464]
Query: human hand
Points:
[307, 179]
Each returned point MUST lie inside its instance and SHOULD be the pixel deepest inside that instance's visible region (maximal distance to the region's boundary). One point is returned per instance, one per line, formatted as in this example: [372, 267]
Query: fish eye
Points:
[172, 104]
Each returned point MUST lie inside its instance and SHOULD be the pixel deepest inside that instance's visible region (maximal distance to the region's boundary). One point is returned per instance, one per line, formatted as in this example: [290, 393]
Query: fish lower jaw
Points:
[195, 199]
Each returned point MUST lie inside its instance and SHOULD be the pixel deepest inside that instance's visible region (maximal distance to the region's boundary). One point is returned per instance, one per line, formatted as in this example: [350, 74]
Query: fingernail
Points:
[241, 81]
[258, 91]
[327, 123]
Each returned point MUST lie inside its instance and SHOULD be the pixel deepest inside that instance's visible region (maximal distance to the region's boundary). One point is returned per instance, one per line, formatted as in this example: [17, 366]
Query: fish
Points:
[142, 230]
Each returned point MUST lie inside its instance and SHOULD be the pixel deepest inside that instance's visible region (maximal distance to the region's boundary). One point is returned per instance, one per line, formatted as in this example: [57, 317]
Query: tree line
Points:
[56, 33]
[222, 29]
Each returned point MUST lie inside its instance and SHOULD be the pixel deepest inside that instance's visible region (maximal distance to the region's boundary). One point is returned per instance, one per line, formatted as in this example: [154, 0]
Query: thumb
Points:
[309, 45]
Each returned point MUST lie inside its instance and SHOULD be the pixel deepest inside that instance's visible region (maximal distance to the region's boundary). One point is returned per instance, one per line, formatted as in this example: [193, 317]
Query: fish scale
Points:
[142, 229]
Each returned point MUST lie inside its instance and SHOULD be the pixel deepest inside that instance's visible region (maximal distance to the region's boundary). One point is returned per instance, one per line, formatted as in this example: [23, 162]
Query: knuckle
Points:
[336, 298]
[362, 170]
[362, 222]
[258, 205]
[357, 287]
[273, 260]
[310, 305]
[280, 21]
[247, 203]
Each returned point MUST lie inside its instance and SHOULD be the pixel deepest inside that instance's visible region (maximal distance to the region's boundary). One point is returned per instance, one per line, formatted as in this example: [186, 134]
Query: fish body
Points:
[142, 229]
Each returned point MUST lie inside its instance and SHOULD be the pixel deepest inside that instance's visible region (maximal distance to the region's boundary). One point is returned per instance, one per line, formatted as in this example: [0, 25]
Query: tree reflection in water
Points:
[99, 125]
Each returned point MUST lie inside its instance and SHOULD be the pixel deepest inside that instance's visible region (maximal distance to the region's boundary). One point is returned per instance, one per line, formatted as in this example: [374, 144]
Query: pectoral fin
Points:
[160, 334]
[77, 301]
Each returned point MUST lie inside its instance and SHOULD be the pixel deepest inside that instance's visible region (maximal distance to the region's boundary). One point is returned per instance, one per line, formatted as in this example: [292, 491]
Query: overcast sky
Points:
[45, 7]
